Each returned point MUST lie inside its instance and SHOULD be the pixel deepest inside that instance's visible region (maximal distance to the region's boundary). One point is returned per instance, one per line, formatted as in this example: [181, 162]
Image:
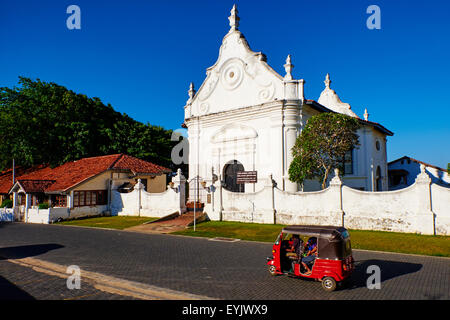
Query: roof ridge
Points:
[418, 161]
[121, 155]
[35, 180]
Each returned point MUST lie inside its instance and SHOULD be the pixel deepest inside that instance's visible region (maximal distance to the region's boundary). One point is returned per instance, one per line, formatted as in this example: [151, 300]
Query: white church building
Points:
[246, 117]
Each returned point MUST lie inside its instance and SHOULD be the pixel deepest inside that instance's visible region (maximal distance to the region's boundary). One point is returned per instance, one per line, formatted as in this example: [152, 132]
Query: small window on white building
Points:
[348, 162]
[377, 145]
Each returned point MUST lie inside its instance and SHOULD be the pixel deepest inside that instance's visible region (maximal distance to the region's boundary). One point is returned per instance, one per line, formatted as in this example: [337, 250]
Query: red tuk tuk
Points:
[332, 263]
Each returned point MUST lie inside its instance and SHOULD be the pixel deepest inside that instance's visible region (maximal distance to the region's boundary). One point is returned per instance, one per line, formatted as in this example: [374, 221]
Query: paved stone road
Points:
[22, 283]
[224, 270]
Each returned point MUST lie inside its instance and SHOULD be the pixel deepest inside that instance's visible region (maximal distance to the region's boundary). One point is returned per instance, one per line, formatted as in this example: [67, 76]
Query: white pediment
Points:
[233, 132]
[239, 78]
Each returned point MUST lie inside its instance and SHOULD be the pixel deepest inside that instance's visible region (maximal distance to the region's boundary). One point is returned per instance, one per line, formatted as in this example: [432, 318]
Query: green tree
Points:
[321, 146]
[44, 122]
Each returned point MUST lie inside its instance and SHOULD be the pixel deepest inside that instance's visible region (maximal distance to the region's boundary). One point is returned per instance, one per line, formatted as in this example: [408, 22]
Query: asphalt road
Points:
[217, 269]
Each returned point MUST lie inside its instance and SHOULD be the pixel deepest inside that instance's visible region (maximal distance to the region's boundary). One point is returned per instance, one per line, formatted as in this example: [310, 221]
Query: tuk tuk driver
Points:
[310, 255]
[295, 249]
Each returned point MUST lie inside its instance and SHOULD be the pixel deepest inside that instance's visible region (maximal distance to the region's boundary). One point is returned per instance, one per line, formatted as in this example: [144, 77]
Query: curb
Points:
[109, 284]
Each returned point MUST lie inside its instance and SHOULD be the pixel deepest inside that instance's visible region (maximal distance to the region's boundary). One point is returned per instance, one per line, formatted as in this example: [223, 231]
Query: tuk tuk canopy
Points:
[333, 242]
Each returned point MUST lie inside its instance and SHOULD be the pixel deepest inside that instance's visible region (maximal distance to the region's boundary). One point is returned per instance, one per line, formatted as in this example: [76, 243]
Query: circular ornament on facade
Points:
[232, 76]
[266, 94]
[204, 107]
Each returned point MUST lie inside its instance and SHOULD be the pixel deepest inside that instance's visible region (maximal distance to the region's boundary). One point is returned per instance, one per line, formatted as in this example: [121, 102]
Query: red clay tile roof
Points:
[30, 186]
[73, 173]
[138, 166]
[6, 176]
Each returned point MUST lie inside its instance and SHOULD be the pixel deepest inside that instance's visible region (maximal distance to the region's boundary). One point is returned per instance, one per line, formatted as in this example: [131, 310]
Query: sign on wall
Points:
[246, 177]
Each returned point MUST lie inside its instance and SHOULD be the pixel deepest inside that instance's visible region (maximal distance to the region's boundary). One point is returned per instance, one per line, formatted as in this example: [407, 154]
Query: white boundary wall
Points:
[36, 215]
[6, 214]
[421, 208]
[141, 203]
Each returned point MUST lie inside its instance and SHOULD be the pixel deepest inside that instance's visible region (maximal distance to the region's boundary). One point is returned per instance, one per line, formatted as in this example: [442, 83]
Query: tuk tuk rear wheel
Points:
[329, 284]
[273, 270]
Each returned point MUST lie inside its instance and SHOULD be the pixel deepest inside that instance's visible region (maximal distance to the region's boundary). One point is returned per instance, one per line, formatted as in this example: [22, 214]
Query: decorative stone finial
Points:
[366, 115]
[423, 177]
[139, 185]
[191, 91]
[422, 168]
[327, 81]
[288, 67]
[336, 181]
[234, 19]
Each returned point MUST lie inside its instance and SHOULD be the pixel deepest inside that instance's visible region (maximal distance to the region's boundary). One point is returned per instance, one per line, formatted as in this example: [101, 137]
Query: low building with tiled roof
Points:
[7, 177]
[81, 187]
[403, 172]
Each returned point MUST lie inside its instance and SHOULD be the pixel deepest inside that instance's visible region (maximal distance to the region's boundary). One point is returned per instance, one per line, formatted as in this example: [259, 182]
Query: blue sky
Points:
[140, 56]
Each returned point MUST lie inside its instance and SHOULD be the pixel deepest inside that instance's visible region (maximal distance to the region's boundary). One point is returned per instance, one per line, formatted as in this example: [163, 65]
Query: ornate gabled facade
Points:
[246, 117]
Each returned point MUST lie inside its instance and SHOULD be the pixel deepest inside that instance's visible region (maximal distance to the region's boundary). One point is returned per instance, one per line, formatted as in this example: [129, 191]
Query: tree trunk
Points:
[325, 177]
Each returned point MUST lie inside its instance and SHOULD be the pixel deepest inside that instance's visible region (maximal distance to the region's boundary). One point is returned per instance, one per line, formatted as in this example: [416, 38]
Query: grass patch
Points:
[401, 242]
[361, 239]
[115, 222]
[238, 230]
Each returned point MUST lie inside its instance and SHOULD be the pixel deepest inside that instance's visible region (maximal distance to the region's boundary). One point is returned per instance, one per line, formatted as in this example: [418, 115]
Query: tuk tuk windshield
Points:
[307, 242]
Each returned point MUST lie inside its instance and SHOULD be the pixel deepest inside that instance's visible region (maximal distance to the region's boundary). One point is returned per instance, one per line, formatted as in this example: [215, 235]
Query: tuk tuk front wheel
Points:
[329, 284]
[273, 270]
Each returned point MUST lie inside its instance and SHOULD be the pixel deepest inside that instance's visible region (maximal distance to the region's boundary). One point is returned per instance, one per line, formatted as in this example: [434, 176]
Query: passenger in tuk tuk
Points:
[296, 246]
[294, 252]
[310, 254]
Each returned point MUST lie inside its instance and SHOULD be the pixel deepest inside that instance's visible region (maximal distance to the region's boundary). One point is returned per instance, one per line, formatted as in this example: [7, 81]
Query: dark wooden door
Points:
[230, 172]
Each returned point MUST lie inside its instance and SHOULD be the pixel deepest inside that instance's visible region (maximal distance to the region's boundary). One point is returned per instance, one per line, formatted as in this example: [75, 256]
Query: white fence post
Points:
[425, 219]
[179, 184]
[139, 187]
[336, 188]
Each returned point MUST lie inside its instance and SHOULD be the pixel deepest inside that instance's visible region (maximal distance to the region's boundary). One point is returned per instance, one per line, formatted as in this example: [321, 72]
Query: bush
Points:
[7, 204]
[43, 206]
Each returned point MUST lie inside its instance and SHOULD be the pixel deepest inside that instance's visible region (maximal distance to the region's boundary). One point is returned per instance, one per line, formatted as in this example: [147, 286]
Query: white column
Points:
[290, 130]
[179, 182]
[15, 198]
[70, 200]
[27, 205]
[425, 217]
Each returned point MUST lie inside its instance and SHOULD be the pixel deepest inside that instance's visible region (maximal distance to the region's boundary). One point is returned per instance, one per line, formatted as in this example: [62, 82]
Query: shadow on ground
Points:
[388, 269]
[20, 252]
[9, 291]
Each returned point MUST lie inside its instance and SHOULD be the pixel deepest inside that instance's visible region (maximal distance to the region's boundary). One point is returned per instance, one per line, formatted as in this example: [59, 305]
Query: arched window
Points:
[378, 180]
[229, 173]
[347, 163]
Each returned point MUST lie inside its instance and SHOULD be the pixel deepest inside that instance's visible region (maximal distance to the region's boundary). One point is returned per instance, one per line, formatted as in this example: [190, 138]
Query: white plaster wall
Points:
[124, 203]
[159, 204]
[6, 214]
[46, 216]
[308, 208]
[248, 207]
[440, 203]
[409, 210]
[246, 137]
[38, 216]
[387, 211]
[85, 211]
[152, 204]
[56, 213]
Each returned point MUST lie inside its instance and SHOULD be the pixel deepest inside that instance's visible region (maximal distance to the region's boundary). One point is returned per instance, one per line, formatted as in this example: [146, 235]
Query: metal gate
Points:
[196, 192]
